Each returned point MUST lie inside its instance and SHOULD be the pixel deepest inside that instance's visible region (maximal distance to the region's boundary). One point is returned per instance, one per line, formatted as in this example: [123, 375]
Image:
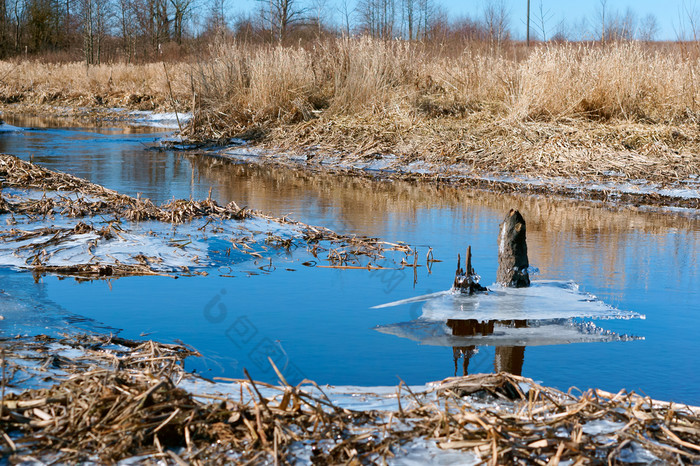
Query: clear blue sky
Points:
[573, 11]
[671, 15]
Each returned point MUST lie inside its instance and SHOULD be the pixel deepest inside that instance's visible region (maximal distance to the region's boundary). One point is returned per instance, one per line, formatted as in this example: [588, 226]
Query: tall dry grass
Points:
[558, 110]
[629, 81]
[553, 110]
[116, 85]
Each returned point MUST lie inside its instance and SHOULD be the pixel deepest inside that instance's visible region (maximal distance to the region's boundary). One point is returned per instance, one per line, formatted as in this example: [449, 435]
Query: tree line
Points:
[140, 30]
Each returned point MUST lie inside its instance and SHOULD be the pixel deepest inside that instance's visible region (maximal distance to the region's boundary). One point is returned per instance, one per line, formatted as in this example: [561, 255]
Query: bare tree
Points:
[561, 32]
[153, 22]
[95, 22]
[543, 19]
[216, 21]
[279, 16]
[496, 21]
[181, 10]
[127, 23]
[602, 11]
[648, 28]
[377, 17]
[346, 13]
[688, 22]
[409, 11]
[319, 11]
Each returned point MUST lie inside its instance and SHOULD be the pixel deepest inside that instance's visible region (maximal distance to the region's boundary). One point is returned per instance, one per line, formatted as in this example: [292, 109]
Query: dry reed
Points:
[623, 110]
[564, 110]
[124, 401]
[142, 87]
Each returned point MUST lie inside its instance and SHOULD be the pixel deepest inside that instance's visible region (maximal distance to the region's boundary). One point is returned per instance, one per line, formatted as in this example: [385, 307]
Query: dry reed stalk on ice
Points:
[127, 403]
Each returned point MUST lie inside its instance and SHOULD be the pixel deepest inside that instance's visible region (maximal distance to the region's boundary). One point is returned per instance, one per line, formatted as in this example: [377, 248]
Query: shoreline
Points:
[629, 192]
[610, 187]
[257, 427]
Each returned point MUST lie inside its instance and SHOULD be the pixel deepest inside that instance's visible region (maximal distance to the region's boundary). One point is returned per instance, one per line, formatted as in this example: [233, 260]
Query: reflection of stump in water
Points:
[512, 252]
[510, 358]
[507, 359]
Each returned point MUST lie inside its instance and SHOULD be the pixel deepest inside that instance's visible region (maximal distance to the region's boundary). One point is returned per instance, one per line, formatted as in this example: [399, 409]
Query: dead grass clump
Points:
[562, 110]
[130, 405]
[624, 81]
[629, 81]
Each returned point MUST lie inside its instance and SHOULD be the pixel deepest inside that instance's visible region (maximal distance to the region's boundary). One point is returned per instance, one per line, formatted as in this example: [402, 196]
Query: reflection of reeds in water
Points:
[606, 237]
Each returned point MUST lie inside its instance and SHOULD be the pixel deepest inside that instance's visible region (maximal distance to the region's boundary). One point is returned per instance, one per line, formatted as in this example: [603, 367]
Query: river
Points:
[320, 321]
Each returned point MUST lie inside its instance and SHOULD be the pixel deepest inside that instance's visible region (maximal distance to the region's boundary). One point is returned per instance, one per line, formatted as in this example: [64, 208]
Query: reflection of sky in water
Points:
[638, 261]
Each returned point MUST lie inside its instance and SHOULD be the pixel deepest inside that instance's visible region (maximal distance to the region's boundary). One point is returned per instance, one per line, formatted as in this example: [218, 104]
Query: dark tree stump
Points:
[467, 281]
[512, 252]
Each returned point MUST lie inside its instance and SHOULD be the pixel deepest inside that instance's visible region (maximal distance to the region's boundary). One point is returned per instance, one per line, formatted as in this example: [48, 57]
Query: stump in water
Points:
[512, 252]
[467, 282]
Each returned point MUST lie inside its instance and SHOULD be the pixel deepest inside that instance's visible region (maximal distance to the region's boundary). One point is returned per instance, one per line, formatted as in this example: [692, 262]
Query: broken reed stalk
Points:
[172, 99]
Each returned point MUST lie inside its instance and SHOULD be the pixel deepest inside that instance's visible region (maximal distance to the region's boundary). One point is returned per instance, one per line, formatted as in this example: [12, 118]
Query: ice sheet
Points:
[5, 128]
[419, 452]
[538, 333]
[544, 299]
[161, 120]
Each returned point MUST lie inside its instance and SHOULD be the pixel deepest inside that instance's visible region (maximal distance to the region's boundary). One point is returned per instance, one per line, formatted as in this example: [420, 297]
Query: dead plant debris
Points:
[124, 400]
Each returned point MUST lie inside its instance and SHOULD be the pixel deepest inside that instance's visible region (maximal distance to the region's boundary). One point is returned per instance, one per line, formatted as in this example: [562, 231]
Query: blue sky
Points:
[671, 15]
[572, 11]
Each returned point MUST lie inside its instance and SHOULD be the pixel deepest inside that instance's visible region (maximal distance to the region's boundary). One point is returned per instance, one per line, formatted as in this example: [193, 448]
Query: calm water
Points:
[321, 319]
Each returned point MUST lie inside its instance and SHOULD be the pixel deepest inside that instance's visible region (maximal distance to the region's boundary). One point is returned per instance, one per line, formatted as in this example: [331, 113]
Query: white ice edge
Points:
[7, 128]
[160, 120]
[544, 299]
[684, 189]
[173, 246]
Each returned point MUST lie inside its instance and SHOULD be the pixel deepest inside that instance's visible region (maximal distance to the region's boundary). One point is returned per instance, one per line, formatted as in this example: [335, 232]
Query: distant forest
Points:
[98, 31]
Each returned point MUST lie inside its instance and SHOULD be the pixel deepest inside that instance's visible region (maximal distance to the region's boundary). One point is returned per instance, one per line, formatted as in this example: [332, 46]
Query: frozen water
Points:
[5, 128]
[545, 299]
[160, 120]
[636, 454]
[601, 426]
[420, 451]
[168, 247]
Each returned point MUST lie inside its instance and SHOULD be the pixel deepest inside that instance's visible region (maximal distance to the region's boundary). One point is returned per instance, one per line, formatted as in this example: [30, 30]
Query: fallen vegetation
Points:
[122, 399]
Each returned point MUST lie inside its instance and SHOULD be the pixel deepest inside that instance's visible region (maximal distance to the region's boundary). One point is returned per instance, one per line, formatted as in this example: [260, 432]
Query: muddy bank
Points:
[112, 399]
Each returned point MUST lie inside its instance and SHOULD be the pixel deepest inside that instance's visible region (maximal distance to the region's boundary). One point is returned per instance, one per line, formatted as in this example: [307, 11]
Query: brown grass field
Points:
[581, 110]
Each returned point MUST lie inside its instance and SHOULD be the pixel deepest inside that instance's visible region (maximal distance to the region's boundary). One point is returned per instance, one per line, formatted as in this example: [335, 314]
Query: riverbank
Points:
[138, 403]
[579, 120]
[626, 178]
